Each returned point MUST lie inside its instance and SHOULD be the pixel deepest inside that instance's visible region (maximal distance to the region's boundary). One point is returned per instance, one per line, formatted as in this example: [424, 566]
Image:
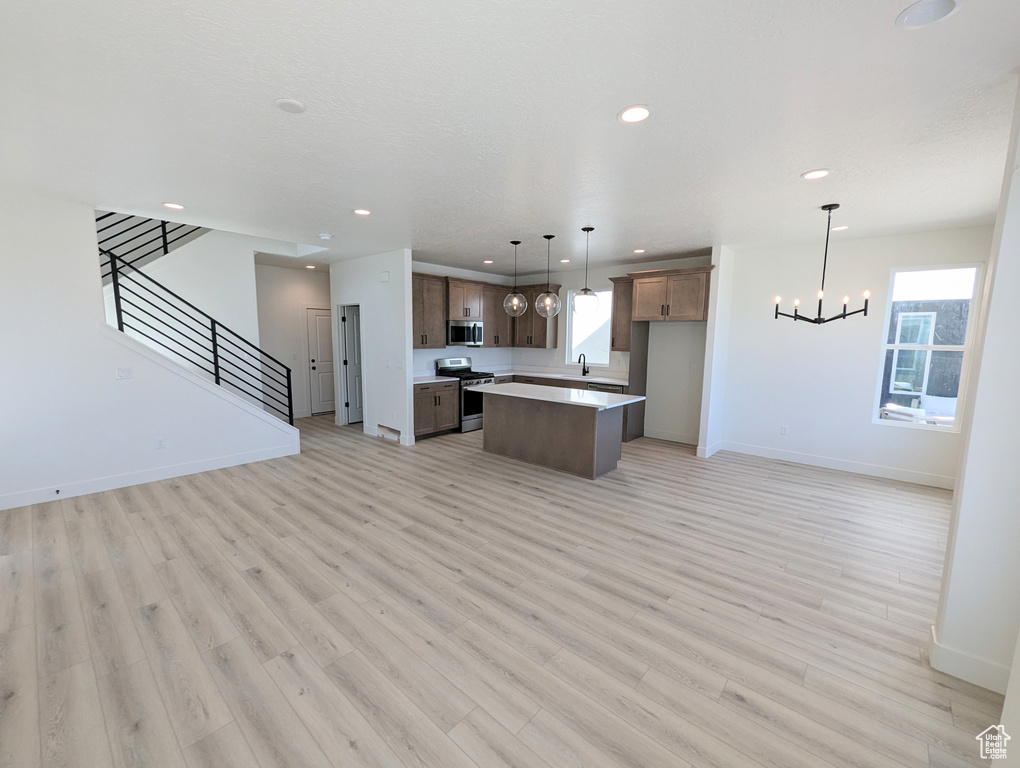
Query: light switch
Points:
[124, 373]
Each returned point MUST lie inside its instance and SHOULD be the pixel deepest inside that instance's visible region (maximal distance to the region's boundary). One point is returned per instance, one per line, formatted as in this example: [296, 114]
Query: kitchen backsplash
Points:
[482, 358]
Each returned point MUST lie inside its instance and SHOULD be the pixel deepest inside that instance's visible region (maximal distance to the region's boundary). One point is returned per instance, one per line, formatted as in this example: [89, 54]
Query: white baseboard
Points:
[715, 447]
[987, 674]
[857, 467]
[673, 437]
[99, 484]
[288, 442]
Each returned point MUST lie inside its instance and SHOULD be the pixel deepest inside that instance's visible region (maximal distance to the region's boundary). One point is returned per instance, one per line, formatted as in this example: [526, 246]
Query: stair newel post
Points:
[290, 400]
[215, 350]
[115, 280]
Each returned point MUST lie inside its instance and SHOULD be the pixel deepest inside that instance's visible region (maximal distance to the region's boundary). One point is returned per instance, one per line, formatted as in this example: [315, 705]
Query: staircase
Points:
[158, 317]
[137, 240]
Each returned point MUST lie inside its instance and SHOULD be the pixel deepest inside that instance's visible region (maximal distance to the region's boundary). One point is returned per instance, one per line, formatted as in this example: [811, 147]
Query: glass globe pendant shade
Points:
[586, 302]
[515, 304]
[547, 304]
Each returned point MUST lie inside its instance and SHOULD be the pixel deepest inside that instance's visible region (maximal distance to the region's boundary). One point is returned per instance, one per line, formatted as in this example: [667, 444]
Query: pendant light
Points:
[547, 304]
[586, 301]
[820, 319]
[515, 303]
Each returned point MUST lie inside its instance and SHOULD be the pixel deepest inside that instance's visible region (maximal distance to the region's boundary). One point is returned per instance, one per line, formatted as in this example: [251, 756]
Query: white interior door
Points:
[350, 322]
[320, 361]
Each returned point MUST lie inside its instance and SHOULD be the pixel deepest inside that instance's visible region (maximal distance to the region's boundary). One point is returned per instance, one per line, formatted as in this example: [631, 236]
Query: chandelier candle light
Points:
[586, 301]
[515, 303]
[547, 304]
[820, 318]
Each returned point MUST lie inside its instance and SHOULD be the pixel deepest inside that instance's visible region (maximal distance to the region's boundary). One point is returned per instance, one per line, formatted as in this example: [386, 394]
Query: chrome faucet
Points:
[584, 368]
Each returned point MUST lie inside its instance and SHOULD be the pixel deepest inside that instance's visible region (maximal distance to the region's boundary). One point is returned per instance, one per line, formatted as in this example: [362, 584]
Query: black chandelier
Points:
[820, 318]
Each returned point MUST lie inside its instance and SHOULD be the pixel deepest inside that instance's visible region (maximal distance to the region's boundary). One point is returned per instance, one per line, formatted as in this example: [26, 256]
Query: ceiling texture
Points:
[464, 124]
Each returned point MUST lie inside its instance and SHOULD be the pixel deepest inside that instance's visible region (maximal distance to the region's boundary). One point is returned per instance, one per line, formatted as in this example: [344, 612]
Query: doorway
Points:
[322, 396]
[350, 348]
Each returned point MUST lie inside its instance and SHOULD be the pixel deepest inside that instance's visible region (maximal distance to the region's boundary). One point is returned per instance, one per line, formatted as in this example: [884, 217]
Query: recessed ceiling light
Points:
[309, 266]
[925, 12]
[361, 211]
[290, 105]
[840, 228]
[564, 261]
[325, 236]
[175, 206]
[819, 173]
[639, 250]
[487, 261]
[634, 114]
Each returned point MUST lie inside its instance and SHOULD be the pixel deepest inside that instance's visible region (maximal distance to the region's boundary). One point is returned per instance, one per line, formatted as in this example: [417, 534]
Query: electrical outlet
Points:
[124, 373]
[160, 443]
[785, 431]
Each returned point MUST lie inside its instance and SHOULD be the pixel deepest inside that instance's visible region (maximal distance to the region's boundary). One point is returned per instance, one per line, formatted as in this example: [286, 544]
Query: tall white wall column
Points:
[979, 609]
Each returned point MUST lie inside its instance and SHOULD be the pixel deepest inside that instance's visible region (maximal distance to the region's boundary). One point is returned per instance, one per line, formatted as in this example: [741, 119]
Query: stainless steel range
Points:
[470, 402]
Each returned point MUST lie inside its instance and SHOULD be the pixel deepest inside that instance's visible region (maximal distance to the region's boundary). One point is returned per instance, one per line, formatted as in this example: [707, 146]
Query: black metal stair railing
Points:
[148, 308]
[137, 240]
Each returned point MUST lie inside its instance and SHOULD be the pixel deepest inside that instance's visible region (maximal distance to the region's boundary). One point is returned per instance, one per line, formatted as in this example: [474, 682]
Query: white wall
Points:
[676, 362]
[979, 608]
[820, 381]
[713, 394]
[284, 295]
[381, 286]
[75, 427]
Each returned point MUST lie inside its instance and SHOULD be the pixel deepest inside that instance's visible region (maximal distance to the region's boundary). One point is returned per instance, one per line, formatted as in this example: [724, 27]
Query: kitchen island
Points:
[571, 430]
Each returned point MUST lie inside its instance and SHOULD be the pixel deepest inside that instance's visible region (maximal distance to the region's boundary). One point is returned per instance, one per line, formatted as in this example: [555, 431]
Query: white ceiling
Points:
[468, 123]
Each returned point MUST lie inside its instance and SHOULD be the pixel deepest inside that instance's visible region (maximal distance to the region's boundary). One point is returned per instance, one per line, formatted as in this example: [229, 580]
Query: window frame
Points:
[967, 348]
[569, 345]
[898, 346]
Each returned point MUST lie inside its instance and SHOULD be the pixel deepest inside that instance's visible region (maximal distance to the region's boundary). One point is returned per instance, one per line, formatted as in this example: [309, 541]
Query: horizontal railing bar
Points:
[127, 217]
[258, 394]
[157, 239]
[258, 374]
[159, 248]
[158, 284]
[154, 340]
[125, 241]
[107, 215]
[258, 379]
[204, 321]
[241, 351]
[199, 341]
[262, 352]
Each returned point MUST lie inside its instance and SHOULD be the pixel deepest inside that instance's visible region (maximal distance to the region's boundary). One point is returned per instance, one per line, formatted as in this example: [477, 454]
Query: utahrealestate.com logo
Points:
[993, 743]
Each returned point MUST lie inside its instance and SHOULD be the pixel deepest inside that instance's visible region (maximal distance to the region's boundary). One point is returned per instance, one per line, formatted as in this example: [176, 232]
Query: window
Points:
[591, 335]
[926, 342]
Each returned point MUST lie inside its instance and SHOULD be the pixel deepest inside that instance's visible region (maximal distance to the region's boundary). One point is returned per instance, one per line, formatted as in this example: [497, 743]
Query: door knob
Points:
[313, 367]
[313, 359]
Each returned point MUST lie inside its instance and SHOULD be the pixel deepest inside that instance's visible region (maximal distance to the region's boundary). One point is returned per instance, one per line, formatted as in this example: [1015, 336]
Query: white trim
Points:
[967, 348]
[844, 465]
[711, 450]
[569, 327]
[110, 482]
[973, 669]
[290, 439]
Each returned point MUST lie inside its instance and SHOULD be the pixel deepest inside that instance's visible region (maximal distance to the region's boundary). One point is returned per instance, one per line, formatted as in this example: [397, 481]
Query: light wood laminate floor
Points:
[368, 605]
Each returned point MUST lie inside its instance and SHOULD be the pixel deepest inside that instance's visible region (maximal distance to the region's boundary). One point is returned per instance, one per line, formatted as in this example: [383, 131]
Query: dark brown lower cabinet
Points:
[436, 407]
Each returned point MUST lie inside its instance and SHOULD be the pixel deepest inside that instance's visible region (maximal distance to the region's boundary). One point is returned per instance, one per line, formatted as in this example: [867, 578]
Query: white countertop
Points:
[433, 379]
[583, 397]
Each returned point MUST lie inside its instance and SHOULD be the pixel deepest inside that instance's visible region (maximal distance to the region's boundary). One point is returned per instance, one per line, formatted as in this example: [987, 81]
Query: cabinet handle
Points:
[426, 338]
[612, 341]
[662, 310]
[667, 310]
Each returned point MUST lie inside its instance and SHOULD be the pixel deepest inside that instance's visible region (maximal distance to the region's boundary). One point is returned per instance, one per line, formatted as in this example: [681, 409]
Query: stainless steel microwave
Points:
[463, 333]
